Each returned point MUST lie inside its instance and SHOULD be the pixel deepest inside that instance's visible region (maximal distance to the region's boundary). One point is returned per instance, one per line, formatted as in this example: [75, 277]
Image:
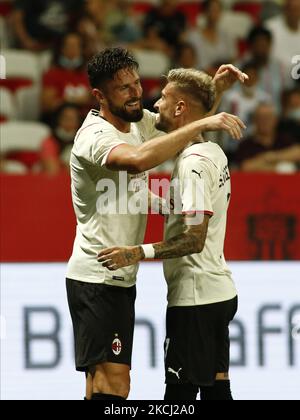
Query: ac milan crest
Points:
[116, 347]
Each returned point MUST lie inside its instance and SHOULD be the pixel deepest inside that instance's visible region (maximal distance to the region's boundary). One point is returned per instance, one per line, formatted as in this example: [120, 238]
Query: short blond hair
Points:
[196, 84]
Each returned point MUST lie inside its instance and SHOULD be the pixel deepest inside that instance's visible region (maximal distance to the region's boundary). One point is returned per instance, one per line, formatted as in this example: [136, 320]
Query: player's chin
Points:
[136, 115]
[160, 125]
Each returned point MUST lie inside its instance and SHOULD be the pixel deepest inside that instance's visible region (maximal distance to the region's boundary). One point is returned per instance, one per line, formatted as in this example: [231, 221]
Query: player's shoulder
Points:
[92, 126]
[94, 131]
[208, 154]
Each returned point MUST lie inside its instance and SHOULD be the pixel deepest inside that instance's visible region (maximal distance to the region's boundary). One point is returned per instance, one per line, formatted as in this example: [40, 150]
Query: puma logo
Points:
[198, 173]
[170, 370]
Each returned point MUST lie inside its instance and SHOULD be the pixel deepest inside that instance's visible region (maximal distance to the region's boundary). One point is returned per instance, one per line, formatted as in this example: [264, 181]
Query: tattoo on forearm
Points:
[180, 246]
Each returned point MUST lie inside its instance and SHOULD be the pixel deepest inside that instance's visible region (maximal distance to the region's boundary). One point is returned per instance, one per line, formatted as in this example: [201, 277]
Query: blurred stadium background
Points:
[44, 94]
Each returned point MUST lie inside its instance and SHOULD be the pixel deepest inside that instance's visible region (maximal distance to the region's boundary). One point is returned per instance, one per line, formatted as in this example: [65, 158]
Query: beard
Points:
[124, 114]
[162, 124]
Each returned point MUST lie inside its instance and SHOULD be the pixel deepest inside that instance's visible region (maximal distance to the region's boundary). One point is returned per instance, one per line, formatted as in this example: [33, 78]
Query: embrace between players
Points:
[101, 277]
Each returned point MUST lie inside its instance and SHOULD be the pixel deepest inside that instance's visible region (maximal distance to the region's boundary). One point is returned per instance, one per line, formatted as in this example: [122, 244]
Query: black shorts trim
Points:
[103, 319]
[197, 344]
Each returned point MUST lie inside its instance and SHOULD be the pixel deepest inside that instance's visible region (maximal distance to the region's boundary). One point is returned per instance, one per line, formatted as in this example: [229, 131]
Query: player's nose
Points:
[156, 105]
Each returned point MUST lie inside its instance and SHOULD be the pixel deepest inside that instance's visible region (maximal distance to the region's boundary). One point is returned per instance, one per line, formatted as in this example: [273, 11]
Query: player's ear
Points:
[180, 108]
[98, 95]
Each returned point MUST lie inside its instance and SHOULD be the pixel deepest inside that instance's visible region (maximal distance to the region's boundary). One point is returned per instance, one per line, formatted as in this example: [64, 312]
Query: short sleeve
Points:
[105, 141]
[196, 184]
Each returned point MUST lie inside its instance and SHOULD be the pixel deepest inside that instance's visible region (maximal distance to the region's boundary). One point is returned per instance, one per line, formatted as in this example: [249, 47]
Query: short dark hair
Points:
[257, 32]
[104, 66]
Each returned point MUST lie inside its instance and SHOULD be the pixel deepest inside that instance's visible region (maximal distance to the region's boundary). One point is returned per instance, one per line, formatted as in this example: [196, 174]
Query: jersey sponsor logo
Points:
[170, 370]
[116, 346]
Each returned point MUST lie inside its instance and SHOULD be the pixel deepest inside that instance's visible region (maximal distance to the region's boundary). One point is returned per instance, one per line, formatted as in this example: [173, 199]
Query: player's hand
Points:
[223, 121]
[115, 258]
[227, 76]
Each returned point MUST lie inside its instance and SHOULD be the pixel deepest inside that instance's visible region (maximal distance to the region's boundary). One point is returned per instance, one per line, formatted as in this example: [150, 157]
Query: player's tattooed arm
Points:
[189, 242]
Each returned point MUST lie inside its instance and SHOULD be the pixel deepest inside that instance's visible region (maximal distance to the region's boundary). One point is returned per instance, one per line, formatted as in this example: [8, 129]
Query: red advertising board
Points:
[38, 223]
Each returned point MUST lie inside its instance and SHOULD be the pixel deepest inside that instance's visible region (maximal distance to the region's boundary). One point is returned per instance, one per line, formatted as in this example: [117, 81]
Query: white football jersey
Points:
[104, 220]
[202, 278]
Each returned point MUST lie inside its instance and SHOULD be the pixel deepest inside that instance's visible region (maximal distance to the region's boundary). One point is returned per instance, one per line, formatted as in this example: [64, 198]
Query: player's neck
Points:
[117, 122]
[189, 120]
[199, 139]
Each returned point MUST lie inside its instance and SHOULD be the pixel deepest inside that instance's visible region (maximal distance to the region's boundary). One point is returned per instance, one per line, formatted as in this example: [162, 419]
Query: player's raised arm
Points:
[226, 76]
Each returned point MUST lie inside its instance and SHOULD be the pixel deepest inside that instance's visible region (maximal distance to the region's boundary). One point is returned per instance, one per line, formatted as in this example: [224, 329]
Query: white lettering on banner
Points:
[39, 346]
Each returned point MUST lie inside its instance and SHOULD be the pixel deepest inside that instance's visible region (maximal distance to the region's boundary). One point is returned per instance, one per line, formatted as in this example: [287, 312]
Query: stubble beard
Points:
[127, 116]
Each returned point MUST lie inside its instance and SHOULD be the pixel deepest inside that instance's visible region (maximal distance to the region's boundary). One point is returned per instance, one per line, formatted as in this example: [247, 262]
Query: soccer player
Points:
[202, 298]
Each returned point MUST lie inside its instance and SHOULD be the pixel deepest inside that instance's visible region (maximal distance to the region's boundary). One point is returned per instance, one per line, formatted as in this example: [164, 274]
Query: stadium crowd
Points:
[45, 47]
